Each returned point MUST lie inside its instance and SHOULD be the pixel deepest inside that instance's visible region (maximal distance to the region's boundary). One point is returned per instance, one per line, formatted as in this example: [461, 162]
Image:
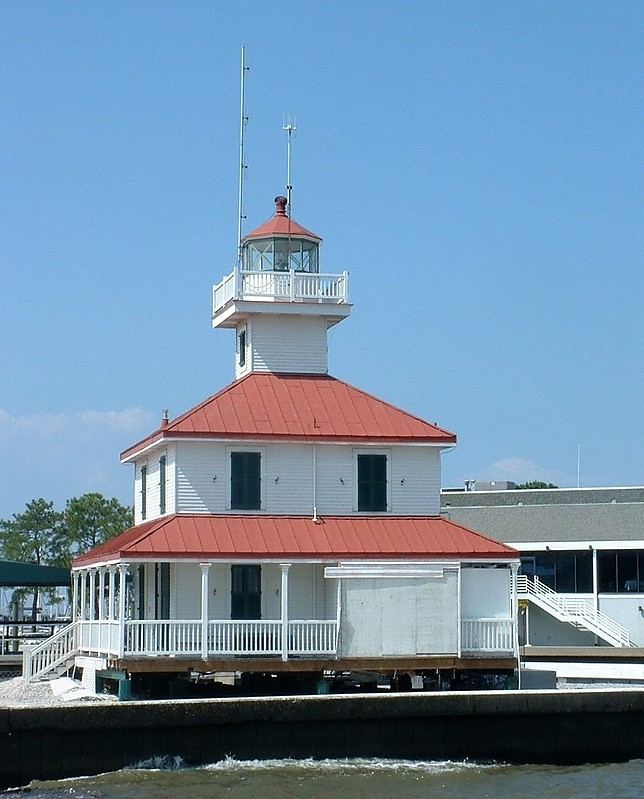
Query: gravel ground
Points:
[15, 693]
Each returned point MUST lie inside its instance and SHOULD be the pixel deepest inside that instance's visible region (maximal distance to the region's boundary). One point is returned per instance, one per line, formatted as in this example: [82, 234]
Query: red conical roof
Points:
[280, 225]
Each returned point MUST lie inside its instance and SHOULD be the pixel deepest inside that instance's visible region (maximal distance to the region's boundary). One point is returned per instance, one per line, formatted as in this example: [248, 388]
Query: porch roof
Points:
[296, 407]
[179, 537]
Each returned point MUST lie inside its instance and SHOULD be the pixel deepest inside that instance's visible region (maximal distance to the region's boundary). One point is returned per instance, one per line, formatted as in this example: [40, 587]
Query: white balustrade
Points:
[39, 659]
[258, 637]
[163, 637]
[261, 637]
[98, 636]
[313, 637]
[487, 635]
[282, 286]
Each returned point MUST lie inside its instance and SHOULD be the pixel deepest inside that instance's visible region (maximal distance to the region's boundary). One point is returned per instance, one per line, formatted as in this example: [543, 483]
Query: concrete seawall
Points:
[512, 726]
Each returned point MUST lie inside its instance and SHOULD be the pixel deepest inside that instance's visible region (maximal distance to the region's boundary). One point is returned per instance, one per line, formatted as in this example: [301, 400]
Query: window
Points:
[162, 484]
[242, 347]
[372, 483]
[144, 491]
[621, 571]
[246, 592]
[564, 572]
[245, 480]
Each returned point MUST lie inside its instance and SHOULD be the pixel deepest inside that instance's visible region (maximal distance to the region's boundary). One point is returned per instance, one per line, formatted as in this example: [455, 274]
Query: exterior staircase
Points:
[53, 657]
[578, 612]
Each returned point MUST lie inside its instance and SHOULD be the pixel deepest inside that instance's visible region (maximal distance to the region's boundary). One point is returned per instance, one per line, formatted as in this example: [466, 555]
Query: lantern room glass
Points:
[281, 255]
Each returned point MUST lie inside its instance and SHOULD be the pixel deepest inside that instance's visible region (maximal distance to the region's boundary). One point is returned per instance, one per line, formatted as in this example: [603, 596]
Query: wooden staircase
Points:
[53, 657]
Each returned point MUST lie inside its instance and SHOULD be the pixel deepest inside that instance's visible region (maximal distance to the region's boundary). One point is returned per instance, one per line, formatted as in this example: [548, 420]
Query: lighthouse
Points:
[278, 301]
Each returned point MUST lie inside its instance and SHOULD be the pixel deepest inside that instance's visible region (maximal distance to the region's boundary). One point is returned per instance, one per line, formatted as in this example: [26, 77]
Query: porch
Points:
[171, 645]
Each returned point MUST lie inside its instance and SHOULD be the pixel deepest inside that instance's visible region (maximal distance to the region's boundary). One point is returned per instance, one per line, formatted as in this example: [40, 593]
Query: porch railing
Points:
[230, 637]
[312, 637]
[156, 637]
[259, 637]
[291, 286]
[98, 637]
[487, 635]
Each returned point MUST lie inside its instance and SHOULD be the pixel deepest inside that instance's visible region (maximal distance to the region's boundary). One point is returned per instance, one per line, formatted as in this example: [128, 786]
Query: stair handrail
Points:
[575, 608]
[40, 659]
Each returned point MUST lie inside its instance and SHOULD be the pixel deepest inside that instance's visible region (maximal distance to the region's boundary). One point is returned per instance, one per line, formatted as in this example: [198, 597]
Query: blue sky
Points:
[477, 167]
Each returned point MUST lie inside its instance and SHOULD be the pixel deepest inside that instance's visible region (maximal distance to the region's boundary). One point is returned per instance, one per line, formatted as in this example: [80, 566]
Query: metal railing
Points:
[578, 612]
[487, 635]
[288, 286]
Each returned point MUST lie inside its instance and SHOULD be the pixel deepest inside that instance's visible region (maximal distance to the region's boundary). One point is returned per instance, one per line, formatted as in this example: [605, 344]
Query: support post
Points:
[123, 567]
[514, 582]
[101, 594]
[92, 595]
[75, 597]
[83, 597]
[205, 569]
[284, 603]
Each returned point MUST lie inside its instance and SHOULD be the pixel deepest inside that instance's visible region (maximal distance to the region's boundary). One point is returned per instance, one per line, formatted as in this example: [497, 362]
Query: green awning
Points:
[19, 575]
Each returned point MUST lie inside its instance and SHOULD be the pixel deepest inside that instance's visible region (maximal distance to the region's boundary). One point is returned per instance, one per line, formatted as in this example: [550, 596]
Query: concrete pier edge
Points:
[511, 726]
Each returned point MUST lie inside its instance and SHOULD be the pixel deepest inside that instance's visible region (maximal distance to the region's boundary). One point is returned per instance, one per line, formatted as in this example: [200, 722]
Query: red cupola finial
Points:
[280, 206]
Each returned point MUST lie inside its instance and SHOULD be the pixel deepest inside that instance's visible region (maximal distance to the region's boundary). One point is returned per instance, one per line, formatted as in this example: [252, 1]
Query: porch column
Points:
[205, 568]
[110, 593]
[459, 610]
[514, 573]
[75, 597]
[101, 594]
[123, 567]
[83, 594]
[284, 597]
[92, 595]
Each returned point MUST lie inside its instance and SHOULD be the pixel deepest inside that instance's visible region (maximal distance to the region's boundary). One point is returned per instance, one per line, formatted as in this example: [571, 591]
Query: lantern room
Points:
[281, 245]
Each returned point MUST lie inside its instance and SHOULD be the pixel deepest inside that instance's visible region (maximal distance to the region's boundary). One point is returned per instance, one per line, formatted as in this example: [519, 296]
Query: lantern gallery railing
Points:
[289, 286]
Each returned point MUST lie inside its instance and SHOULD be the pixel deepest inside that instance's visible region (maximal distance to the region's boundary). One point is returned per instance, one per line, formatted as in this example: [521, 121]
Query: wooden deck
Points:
[294, 665]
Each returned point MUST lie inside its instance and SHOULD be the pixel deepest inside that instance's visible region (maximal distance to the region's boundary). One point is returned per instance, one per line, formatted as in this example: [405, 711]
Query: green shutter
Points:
[245, 480]
[372, 483]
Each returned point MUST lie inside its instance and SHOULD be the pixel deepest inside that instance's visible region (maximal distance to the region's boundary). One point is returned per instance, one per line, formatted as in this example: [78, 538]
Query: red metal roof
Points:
[297, 407]
[297, 537]
[280, 225]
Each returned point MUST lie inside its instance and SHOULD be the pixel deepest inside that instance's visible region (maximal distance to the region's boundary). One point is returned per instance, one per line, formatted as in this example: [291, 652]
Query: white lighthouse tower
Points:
[278, 301]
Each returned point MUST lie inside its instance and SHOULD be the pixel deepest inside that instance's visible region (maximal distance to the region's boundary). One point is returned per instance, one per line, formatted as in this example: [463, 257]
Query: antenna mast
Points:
[290, 128]
[243, 121]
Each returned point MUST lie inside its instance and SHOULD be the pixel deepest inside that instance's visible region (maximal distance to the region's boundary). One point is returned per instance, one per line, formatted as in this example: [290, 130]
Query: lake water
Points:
[354, 779]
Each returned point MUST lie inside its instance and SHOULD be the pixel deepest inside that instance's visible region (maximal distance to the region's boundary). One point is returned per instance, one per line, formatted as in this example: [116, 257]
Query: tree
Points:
[536, 484]
[34, 536]
[91, 519]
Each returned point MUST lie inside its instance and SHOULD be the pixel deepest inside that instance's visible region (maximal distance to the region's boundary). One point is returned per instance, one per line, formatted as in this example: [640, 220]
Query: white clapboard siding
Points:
[415, 481]
[187, 600]
[485, 593]
[288, 486]
[307, 353]
[201, 475]
[171, 480]
[201, 472]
